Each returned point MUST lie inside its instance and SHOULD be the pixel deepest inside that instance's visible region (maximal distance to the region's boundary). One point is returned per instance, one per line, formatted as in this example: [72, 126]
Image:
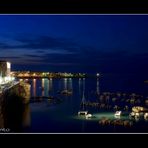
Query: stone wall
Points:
[13, 104]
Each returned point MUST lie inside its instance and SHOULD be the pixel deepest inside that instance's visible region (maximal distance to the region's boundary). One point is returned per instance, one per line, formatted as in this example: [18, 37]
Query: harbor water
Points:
[61, 116]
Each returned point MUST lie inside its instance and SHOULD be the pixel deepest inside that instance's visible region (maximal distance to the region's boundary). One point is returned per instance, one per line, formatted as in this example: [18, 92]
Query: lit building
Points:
[5, 69]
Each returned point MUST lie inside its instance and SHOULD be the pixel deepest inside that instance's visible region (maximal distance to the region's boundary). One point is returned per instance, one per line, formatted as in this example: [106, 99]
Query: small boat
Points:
[88, 116]
[146, 116]
[83, 113]
[118, 113]
[132, 114]
[138, 111]
[66, 92]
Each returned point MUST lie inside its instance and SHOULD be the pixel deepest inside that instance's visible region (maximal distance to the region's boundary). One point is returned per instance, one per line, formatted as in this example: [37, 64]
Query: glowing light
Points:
[1, 80]
[8, 65]
[98, 74]
[65, 79]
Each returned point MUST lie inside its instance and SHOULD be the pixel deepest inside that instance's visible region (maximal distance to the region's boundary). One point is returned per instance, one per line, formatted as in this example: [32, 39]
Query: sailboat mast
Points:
[83, 97]
[98, 91]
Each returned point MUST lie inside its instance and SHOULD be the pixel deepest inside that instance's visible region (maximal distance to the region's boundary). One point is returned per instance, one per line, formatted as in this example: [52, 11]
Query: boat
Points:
[66, 92]
[88, 116]
[118, 114]
[83, 111]
[146, 116]
[138, 111]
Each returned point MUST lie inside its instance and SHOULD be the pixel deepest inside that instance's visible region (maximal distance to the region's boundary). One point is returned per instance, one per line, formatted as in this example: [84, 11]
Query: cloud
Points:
[47, 42]
[89, 56]
[13, 57]
[33, 56]
[3, 46]
[35, 46]
[61, 52]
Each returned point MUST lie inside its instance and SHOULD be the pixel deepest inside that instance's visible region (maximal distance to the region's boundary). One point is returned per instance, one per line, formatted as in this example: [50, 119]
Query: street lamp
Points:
[97, 74]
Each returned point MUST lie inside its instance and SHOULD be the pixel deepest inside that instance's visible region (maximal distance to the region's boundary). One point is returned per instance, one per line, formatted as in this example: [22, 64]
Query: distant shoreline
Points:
[50, 77]
[36, 75]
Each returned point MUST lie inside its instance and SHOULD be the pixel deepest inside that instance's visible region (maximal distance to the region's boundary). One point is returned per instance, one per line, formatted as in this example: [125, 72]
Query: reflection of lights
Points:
[70, 83]
[50, 83]
[65, 83]
[34, 87]
[79, 85]
[117, 117]
[46, 87]
[43, 86]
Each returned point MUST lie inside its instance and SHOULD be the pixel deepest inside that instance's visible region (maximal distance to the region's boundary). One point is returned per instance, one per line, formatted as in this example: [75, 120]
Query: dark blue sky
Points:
[85, 43]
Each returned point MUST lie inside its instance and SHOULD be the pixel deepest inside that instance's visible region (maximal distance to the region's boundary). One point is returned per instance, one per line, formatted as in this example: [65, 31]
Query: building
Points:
[5, 69]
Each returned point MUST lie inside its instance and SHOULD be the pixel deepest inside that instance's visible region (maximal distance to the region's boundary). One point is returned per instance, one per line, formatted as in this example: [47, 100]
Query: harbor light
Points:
[97, 74]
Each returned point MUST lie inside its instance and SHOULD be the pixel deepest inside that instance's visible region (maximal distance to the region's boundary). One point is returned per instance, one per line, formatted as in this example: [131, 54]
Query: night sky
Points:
[75, 43]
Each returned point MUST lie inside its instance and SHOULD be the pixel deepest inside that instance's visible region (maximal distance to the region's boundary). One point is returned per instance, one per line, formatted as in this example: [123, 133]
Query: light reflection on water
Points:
[44, 116]
[98, 116]
[34, 87]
